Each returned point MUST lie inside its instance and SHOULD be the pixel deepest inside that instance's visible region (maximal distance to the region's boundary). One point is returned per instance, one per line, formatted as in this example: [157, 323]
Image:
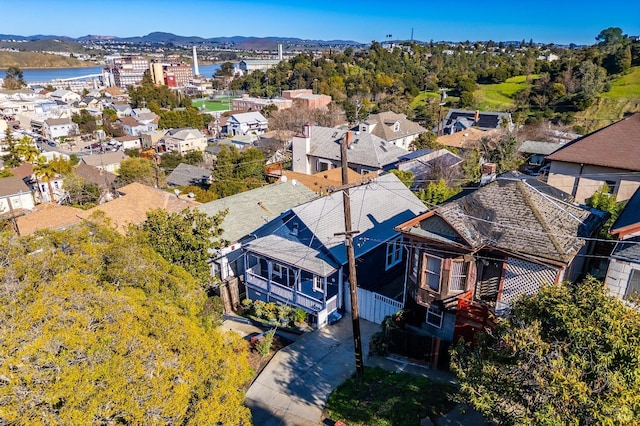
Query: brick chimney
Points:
[488, 173]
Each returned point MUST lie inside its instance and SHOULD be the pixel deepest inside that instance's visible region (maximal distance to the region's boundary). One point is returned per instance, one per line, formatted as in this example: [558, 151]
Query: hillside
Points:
[26, 60]
[499, 97]
[622, 98]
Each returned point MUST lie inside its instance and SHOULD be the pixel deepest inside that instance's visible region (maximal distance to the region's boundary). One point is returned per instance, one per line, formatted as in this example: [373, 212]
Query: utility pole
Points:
[353, 282]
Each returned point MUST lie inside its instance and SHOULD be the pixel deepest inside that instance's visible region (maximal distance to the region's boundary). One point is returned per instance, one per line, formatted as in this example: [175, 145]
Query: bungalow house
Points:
[245, 213]
[300, 258]
[479, 253]
[318, 149]
[186, 175]
[134, 127]
[248, 122]
[607, 156]
[66, 96]
[183, 141]
[55, 128]
[458, 120]
[42, 190]
[15, 197]
[393, 128]
[91, 104]
[623, 273]
[108, 161]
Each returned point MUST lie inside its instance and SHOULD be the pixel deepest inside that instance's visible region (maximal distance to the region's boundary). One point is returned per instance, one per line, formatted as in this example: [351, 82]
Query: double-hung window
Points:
[432, 270]
[394, 252]
[434, 316]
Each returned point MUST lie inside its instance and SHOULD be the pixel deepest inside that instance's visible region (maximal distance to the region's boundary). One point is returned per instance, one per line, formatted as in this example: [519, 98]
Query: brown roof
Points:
[134, 203]
[23, 170]
[464, 138]
[385, 122]
[321, 181]
[48, 216]
[12, 185]
[129, 121]
[104, 159]
[92, 174]
[616, 146]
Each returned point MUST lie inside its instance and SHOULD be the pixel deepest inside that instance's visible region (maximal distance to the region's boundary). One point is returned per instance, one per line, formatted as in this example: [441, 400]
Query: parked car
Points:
[51, 143]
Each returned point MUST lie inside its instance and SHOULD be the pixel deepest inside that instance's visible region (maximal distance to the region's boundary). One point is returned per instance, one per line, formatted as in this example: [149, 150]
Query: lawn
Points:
[627, 86]
[389, 399]
[221, 104]
[492, 97]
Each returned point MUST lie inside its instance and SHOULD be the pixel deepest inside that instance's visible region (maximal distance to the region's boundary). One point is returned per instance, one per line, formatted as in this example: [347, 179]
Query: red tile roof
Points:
[616, 146]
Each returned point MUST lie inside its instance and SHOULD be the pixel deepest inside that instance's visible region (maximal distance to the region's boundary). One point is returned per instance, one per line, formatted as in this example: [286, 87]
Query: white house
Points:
[247, 122]
[183, 141]
[66, 96]
[15, 196]
[59, 128]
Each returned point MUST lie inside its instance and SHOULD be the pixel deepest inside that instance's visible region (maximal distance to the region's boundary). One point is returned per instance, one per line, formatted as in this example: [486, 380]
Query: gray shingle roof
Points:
[513, 215]
[376, 208]
[385, 123]
[366, 149]
[250, 210]
[539, 147]
[186, 174]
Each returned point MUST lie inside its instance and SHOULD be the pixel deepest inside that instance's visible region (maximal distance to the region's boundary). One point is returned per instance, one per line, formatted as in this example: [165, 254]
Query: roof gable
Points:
[616, 146]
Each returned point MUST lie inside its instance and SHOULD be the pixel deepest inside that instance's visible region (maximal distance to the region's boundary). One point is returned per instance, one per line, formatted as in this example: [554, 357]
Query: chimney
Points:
[476, 118]
[306, 131]
[488, 173]
[280, 52]
[300, 149]
[196, 71]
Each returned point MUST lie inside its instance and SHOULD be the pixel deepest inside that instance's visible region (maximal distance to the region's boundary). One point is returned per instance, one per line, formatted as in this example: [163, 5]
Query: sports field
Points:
[221, 104]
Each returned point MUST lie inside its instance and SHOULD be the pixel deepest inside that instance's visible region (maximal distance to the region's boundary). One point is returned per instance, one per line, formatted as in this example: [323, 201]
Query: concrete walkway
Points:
[294, 387]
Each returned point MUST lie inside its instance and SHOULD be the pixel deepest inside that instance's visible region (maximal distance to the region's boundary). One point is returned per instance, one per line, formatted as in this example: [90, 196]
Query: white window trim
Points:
[437, 313]
[318, 284]
[393, 253]
[278, 270]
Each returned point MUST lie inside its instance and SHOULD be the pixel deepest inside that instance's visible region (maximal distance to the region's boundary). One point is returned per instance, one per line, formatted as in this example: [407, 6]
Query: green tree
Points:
[437, 192]
[85, 121]
[26, 150]
[45, 171]
[81, 193]
[14, 78]
[567, 355]
[141, 170]
[404, 176]
[604, 200]
[12, 159]
[91, 337]
[184, 239]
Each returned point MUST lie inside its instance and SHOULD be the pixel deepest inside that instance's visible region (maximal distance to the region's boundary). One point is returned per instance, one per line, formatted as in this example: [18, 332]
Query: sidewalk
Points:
[294, 387]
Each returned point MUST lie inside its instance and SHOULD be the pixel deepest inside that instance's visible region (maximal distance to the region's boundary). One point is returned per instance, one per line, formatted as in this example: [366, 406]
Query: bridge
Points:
[81, 77]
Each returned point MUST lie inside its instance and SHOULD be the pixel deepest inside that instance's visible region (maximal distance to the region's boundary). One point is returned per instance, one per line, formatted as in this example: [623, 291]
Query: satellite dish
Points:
[283, 179]
[177, 191]
[294, 182]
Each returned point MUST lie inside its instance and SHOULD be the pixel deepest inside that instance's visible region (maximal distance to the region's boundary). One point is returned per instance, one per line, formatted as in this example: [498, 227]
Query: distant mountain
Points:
[239, 42]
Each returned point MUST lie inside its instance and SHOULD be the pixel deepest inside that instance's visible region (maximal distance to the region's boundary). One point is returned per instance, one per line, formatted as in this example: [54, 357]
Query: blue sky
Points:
[558, 21]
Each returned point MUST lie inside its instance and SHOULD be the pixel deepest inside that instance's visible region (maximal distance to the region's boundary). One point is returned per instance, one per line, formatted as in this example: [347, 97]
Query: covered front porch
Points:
[271, 280]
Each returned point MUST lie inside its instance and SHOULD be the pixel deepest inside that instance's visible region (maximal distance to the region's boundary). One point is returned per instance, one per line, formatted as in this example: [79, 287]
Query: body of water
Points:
[48, 74]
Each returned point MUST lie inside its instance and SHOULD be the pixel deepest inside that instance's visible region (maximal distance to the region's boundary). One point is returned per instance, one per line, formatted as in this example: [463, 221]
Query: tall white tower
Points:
[196, 71]
[280, 52]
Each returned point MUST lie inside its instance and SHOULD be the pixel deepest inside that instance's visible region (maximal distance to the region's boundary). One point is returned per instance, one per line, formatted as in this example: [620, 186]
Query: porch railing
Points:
[287, 294]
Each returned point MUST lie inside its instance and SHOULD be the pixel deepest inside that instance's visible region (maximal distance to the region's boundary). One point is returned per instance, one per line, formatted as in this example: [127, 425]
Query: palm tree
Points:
[46, 172]
[26, 151]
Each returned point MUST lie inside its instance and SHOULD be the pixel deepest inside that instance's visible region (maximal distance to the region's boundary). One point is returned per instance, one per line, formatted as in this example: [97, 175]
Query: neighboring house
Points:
[66, 96]
[243, 141]
[121, 109]
[15, 197]
[248, 122]
[127, 142]
[458, 120]
[55, 128]
[183, 141]
[91, 103]
[318, 149]
[300, 258]
[249, 65]
[307, 99]
[482, 251]
[133, 127]
[607, 156]
[108, 161]
[427, 161]
[393, 128]
[321, 182]
[247, 103]
[186, 175]
[623, 273]
[40, 188]
[245, 213]
[536, 151]
[104, 179]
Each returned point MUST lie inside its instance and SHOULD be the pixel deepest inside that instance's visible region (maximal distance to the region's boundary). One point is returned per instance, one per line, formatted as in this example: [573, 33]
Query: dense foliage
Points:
[568, 355]
[97, 328]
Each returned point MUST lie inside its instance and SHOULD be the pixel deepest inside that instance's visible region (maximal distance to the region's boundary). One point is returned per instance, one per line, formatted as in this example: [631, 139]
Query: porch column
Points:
[324, 296]
[296, 280]
[340, 284]
[269, 276]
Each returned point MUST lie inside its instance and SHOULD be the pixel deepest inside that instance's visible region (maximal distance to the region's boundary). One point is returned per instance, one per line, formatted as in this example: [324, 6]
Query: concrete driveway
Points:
[295, 386]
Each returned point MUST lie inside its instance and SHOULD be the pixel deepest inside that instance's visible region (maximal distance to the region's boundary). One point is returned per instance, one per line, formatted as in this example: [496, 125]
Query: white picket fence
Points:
[373, 306]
